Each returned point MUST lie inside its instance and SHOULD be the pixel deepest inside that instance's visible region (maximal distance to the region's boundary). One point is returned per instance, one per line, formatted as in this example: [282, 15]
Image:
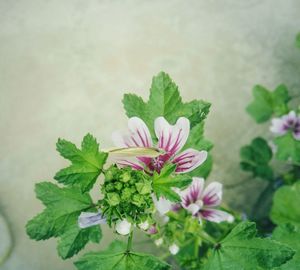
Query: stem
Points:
[206, 237]
[129, 243]
[196, 247]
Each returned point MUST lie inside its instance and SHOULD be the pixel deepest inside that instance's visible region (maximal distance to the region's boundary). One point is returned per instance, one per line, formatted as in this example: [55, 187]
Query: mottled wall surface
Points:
[64, 66]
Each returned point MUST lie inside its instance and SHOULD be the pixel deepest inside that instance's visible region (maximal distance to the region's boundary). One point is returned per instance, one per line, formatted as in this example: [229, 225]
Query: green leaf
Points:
[117, 258]
[241, 249]
[267, 103]
[166, 101]
[86, 165]
[287, 148]
[75, 239]
[256, 157]
[289, 234]
[165, 181]
[286, 203]
[63, 206]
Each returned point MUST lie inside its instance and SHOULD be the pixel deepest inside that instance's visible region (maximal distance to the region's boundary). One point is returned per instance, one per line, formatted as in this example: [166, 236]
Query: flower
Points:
[123, 227]
[88, 219]
[173, 249]
[289, 122]
[201, 201]
[171, 139]
[158, 242]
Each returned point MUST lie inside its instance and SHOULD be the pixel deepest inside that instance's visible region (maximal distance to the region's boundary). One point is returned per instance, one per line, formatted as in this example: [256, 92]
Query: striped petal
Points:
[212, 195]
[215, 215]
[139, 135]
[171, 138]
[189, 160]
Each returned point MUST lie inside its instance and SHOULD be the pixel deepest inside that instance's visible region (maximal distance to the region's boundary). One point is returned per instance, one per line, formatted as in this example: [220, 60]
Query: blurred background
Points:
[65, 65]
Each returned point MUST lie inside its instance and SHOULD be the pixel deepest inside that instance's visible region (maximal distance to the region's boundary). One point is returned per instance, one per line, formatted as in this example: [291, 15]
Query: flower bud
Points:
[113, 199]
[125, 177]
[158, 242]
[173, 249]
[144, 225]
[123, 227]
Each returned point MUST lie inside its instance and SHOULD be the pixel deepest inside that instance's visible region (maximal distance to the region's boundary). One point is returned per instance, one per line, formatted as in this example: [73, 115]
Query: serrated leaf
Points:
[117, 258]
[286, 203]
[255, 158]
[241, 249]
[74, 239]
[166, 101]
[59, 218]
[287, 148]
[87, 163]
[165, 181]
[267, 103]
[289, 234]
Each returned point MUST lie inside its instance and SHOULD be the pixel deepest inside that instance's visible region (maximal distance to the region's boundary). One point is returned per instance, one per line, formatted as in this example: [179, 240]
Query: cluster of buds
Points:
[127, 197]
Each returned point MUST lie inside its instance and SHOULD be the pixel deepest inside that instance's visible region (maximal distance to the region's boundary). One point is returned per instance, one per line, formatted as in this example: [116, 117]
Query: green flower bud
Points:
[118, 186]
[143, 187]
[138, 200]
[125, 177]
[109, 187]
[113, 199]
[126, 194]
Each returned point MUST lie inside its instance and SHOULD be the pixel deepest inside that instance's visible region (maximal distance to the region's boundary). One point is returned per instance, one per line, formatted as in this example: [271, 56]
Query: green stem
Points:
[206, 237]
[129, 243]
[196, 247]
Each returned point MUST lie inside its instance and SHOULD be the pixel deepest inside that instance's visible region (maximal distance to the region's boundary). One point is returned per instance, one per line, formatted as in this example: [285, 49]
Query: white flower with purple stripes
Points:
[171, 139]
[201, 202]
[289, 122]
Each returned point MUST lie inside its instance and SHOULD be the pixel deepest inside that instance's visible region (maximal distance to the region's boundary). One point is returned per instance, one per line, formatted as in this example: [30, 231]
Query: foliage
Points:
[256, 157]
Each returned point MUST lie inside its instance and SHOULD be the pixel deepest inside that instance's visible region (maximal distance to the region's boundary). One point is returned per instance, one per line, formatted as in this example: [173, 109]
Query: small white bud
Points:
[144, 225]
[123, 227]
[158, 242]
[173, 249]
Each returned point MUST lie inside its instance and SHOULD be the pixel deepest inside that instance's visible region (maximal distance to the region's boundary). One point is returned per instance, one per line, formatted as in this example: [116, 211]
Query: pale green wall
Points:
[64, 66]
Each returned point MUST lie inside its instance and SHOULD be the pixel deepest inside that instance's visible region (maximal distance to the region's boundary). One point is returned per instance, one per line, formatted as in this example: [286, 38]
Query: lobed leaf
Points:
[87, 163]
[241, 249]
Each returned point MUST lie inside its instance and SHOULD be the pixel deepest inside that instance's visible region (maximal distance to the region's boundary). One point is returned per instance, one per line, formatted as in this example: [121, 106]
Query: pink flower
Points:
[289, 122]
[171, 139]
[201, 202]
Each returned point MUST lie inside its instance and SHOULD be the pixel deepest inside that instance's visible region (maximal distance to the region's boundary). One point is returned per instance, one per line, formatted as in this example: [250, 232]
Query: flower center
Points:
[157, 163]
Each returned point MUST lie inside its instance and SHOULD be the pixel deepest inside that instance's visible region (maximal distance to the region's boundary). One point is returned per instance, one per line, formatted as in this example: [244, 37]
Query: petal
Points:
[278, 126]
[193, 193]
[212, 195]
[88, 219]
[133, 164]
[193, 208]
[189, 160]
[162, 205]
[139, 135]
[215, 215]
[296, 134]
[123, 227]
[171, 138]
